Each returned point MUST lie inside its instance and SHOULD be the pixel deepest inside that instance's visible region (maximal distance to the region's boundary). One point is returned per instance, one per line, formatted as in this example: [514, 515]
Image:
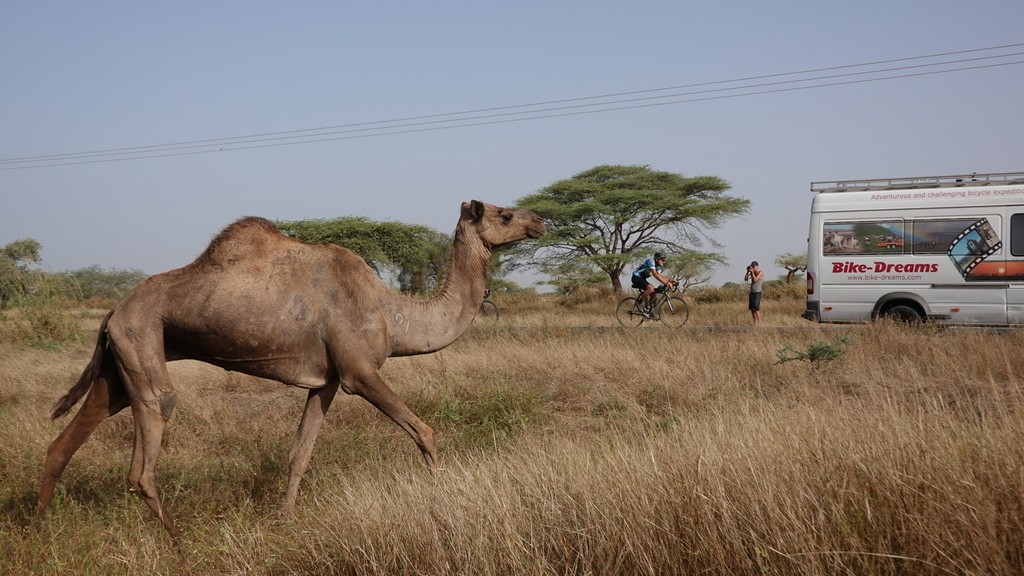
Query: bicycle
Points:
[488, 309]
[671, 311]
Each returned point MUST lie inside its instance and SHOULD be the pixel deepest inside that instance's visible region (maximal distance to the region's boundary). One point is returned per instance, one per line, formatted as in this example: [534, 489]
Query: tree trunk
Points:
[616, 281]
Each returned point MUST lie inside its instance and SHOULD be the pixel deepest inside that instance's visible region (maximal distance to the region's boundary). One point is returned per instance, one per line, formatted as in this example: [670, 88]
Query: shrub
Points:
[40, 317]
[818, 354]
[779, 290]
[710, 294]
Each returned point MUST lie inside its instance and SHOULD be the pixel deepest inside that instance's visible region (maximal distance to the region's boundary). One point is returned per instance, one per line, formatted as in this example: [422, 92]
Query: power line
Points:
[240, 143]
[798, 80]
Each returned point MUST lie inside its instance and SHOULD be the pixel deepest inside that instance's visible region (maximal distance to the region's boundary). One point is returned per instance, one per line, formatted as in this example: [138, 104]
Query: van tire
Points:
[903, 314]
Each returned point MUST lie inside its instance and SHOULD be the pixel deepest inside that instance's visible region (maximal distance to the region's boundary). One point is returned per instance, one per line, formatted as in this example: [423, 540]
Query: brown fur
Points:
[255, 301]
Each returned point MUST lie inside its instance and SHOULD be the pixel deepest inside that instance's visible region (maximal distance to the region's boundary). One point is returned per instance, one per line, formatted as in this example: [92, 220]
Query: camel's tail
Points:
[89, 375]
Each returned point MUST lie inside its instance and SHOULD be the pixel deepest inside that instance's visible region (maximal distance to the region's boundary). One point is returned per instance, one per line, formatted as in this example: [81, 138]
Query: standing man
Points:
[754, 275]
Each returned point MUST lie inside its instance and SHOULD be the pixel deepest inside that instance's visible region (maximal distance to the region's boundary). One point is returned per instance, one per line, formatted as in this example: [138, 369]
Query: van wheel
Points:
[903, 315]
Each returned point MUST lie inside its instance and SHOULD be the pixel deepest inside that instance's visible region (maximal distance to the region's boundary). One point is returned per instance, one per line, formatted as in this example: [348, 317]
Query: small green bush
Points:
[818, 354]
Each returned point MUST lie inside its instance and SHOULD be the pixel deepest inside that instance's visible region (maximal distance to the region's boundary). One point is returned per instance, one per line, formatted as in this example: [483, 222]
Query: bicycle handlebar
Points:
[674, 288]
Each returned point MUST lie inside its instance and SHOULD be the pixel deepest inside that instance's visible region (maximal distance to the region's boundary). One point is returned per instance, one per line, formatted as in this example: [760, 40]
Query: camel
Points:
[314, 316]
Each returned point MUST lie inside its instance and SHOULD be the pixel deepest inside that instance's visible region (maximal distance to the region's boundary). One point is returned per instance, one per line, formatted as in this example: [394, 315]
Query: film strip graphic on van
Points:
[972, 246]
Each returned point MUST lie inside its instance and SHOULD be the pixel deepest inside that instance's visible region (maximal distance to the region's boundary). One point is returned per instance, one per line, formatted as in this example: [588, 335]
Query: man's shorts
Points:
[640, 283]
[754, 302]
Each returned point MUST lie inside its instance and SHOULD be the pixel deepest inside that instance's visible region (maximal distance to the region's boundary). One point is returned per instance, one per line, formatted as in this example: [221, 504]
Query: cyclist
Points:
[640, 280]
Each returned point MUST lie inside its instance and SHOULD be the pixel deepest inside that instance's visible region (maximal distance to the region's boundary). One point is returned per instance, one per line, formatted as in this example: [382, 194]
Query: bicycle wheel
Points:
[488, 312]
[627, 314]
[673, 312]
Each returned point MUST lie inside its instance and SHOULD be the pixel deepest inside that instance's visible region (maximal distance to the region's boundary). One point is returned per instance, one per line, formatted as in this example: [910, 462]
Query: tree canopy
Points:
[97, 282]
[793, 263]
[411, 255]
[610, 216]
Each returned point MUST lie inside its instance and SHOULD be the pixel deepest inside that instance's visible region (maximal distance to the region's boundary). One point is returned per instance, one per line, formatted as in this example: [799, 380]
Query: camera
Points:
[749, 268]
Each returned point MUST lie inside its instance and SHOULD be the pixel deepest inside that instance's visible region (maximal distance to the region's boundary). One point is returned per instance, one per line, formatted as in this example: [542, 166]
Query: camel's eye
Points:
[506, 217]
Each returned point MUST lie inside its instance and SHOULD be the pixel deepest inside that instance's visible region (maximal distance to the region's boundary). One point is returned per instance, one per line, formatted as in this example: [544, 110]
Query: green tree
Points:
[411, 255]
[569, 277]
[610, 216]
[793, 263]
[15, 277]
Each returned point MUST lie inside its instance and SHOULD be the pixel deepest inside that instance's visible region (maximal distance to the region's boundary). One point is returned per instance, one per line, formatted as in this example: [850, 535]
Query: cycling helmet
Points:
[659, 256]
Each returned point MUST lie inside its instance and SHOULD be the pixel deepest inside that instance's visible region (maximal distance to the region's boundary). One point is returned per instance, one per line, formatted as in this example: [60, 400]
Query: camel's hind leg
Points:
[107, 396]
[143, 368]
[149, 429]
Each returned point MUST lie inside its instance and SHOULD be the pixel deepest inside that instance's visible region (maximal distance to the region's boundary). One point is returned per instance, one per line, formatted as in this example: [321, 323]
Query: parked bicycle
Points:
[488, 309]
[671, 311]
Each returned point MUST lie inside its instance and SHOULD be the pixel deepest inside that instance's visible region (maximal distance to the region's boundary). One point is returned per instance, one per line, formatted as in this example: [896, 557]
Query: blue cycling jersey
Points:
[644, 270]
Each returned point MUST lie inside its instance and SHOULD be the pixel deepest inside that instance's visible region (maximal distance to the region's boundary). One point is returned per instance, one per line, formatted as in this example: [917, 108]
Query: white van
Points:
[948, 249]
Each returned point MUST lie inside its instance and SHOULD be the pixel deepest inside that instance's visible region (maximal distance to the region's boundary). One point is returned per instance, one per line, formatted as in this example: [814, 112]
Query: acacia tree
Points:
[608, 216]
[793, 263]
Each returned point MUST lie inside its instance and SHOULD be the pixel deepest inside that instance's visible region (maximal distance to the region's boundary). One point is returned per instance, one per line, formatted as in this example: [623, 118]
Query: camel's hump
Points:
[247, 235]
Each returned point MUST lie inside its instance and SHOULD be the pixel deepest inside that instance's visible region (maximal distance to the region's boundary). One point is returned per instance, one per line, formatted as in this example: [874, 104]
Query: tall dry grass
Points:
[569, 446]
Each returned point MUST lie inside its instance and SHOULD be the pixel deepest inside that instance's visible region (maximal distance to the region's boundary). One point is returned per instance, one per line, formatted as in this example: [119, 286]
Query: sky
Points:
[152, 125]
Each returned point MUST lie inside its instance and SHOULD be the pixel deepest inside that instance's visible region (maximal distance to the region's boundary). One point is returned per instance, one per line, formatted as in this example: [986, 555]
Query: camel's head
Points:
[498, 226]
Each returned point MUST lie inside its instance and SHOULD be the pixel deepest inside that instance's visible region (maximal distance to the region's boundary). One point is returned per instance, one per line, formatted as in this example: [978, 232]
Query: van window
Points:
[936, 236]
[863, 238]
[1017, 234]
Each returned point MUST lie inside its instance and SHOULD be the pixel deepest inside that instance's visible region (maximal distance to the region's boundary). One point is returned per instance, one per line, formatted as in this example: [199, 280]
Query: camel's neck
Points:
[421, 326]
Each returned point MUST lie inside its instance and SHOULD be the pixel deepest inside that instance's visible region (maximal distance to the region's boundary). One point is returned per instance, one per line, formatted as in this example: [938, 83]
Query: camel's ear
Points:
[473, 211]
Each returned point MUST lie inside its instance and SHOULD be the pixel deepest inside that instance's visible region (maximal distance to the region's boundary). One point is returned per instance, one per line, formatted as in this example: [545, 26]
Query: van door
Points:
[976, 293]
[1015, 267]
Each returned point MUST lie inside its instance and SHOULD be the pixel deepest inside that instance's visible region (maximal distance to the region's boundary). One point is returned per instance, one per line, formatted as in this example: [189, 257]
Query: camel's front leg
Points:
[373, 388]
[317, 403]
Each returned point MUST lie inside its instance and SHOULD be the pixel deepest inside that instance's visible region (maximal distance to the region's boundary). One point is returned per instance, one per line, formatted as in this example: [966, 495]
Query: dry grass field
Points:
[569, 446]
